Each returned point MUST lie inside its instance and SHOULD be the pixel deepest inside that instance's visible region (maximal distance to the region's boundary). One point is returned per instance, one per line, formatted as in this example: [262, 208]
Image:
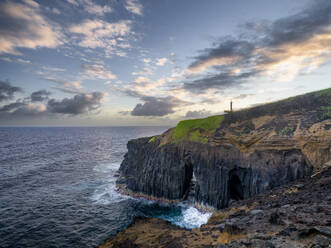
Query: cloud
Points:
[197, 113]
[91, 7]
[16, 60]
[228, 51]
[11, 106]
[72, 87]
[146, 60]
[157, 106]
[53, 69]
[219, 81]
[7, 91]
[96, 9]
[134, 7]
[79, 104]
[39, 96]
[98, 71]
[23, 26]
[243, 96]
[101, 34]
[73, 2]
[279, 50]
[161, 61]
[143, 86]
[21, 110]
[32, 106]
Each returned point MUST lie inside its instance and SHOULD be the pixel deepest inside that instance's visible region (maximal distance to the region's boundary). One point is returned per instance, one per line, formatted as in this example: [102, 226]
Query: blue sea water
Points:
[57, 187]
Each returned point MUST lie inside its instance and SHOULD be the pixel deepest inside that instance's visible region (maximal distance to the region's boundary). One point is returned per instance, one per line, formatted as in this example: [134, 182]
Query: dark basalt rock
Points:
[222, 173]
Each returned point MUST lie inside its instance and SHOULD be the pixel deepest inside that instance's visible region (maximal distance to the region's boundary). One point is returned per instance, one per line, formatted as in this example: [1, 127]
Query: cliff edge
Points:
[220, 159]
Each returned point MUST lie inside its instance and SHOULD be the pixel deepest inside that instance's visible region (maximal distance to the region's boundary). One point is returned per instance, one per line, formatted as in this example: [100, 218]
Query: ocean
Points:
[57, 187]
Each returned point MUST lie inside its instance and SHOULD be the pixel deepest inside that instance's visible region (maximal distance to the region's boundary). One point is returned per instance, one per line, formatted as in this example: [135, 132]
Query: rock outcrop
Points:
[249, 152]
[297, 215]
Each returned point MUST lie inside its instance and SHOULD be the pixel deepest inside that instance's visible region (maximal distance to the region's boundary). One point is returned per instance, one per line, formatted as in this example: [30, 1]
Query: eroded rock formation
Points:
[250, 152]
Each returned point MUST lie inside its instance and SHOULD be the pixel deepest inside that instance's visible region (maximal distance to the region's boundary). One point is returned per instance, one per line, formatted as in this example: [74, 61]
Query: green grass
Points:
[299, 104]
[197, 130]
[323, 92]
[152, 139]
[196, 136]
[286, 131]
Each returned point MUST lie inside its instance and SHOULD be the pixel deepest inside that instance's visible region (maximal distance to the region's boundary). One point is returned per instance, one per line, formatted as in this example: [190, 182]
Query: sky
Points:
[156, 62]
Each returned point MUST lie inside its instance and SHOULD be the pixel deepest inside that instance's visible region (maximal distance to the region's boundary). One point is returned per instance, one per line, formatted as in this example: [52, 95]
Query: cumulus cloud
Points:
[40, 96]
[280, 50]
[98, 71]
[23, 26]
[157, 106]
[134, 6]
[101, 34]
[79, 104]
[21, 110]
[38, 104]
[7, 91]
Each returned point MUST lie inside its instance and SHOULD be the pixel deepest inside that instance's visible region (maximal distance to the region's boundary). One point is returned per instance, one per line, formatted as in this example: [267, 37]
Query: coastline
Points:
[293, 215]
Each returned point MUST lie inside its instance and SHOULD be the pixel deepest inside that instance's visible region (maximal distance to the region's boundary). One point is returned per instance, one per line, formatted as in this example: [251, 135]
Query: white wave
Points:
[106, 193]
[191, 218]
[107, 168]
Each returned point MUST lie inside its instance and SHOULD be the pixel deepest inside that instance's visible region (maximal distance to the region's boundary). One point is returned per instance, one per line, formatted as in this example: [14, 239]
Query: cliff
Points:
[293, 216]
[220, 159]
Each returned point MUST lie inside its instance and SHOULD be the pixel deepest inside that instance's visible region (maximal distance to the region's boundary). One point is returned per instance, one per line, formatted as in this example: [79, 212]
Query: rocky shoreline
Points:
[242, 164]
[295, 215]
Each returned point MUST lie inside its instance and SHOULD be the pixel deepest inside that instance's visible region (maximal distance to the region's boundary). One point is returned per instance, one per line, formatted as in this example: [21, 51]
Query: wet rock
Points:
[299, 186]
[323, 230]
[220, 246]
[232, 228]
[238, 213]
[256, 212]
[287, 231]
[302, 233]
[275, 218]
[262, 244]
[322, 241]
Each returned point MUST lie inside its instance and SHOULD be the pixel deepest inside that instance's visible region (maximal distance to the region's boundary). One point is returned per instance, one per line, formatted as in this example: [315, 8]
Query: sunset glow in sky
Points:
[155, 62]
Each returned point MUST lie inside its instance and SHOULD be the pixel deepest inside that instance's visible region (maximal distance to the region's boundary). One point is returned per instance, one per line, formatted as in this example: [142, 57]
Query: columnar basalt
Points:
[235, 156]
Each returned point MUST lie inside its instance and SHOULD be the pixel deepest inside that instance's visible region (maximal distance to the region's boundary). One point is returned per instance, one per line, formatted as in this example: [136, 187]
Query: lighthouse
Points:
[229, 111]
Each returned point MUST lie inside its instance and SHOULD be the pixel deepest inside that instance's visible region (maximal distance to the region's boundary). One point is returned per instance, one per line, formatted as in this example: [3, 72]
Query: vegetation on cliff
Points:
[318, 100]
[197, 130]
[202, 130]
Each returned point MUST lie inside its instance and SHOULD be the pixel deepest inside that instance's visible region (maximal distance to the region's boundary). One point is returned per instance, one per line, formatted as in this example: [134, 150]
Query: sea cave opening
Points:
[236, 190]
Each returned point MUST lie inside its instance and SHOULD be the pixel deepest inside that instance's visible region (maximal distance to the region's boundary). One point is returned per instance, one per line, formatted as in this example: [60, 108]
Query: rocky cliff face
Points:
[221, 172]
[296, 215]
[243, 157]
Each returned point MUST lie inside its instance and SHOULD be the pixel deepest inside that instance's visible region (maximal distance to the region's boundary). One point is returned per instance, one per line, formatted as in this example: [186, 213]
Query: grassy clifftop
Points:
[201, 130]
[318, 100]
[197, 130]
